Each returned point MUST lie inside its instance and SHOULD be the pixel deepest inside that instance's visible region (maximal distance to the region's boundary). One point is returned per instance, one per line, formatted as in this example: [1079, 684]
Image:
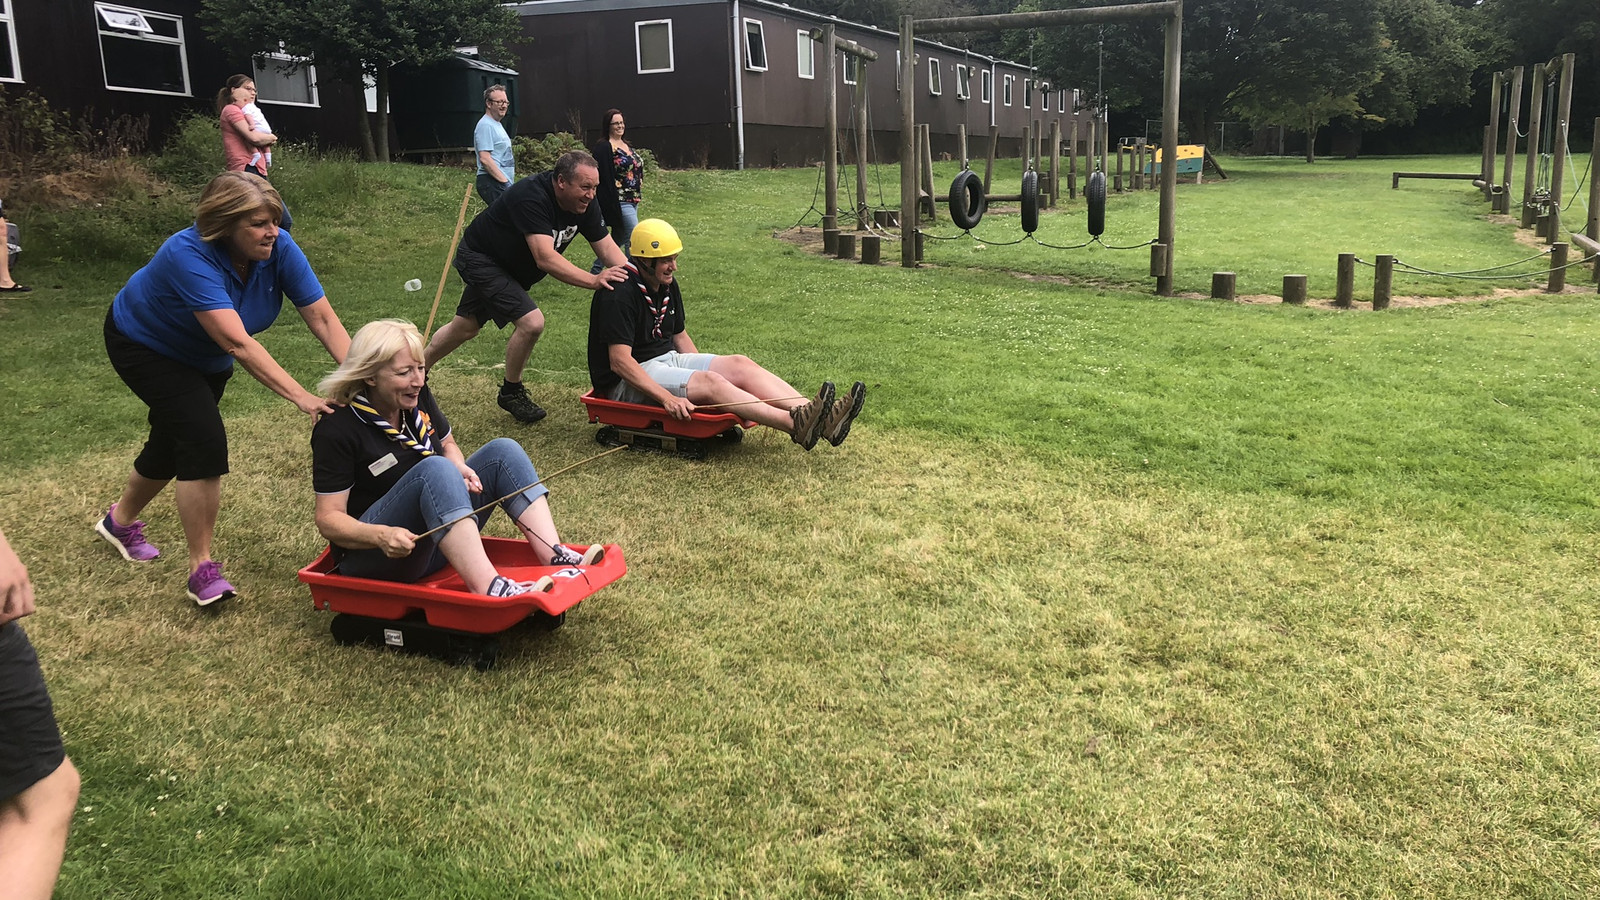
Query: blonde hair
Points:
[231, 198]
[370, 350]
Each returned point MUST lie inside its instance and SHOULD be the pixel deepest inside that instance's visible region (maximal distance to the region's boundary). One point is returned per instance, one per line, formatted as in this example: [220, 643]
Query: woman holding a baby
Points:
[247, 139]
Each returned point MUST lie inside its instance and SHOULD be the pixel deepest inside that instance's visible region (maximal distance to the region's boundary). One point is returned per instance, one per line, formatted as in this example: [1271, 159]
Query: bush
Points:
[33, 137]
[540, 155]
[193, 153]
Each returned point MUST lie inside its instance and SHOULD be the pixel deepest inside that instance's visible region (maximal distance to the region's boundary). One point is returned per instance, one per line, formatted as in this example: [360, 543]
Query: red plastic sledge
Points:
[648, 426]
[443, 598]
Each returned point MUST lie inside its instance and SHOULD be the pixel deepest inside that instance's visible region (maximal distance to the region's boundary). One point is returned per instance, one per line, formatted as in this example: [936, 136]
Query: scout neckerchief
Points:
[417, 433]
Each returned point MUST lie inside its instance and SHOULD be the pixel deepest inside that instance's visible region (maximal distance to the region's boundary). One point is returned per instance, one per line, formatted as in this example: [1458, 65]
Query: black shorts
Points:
[491, 293]
[187, 440]
[30, 742]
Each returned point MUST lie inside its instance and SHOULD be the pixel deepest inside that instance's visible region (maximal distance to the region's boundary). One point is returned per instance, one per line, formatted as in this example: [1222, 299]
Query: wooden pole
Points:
[1158, 260]
[1382, 281]
[1223, 285]
[1027, 146]
[994, 146]
[455, 239]
[1486, 164]
[1072, 163]
[908, 146]
[1344, 291]
[1592, 228]
[1055, 163]
[869, 249]
[847, 245]
[1037, 146]
[961, 138]
[1117, 185]
[830, 127]
[1491, 139]
[1503, 203]
[1557, 281]
[861, 146]
[1168, 231]
[1558, 165]
[1535, 120]
[925, 135]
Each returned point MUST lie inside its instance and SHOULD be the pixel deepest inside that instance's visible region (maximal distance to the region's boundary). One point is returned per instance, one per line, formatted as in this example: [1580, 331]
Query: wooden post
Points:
[829, 222]
[847, 245]
[870, 249]
[925, 135]
[1592, 228]
[1138, 167]
[994, 146]
[1222, 285]
[1535, 121]
[908, 144]
[1557, 281]
[830, 127]
[862, 143]
[1486, 164]
[1038, 146]
[830, 240]
[1167, 232]
[1027, 146]
[918, 242]
[1382, 281]
[1558, 163]
[1344, 291]
[1117, 185]
[1294, 289]
[1072, 162]
[1504, 202]
[1055, 164]
[1541, 226]
[961, 138]
[1158, 260]
[1492, 137]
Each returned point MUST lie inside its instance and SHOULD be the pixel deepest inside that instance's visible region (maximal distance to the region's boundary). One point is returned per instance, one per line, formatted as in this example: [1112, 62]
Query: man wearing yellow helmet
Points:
[640, 352]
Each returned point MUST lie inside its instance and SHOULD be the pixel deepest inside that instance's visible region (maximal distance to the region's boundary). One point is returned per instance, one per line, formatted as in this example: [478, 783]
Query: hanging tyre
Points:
[1030, 202]
[967, 202]
[1095, 193]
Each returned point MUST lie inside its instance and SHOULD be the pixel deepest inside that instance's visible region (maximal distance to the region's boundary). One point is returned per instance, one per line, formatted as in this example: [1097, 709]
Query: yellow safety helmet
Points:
[653, 239]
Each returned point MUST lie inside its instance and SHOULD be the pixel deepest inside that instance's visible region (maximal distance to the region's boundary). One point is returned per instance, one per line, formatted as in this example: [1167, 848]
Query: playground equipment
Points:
[1170, 12]
[439, 617]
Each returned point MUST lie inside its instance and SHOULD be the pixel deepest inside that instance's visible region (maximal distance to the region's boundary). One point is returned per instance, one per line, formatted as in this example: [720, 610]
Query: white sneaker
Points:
[502, 586]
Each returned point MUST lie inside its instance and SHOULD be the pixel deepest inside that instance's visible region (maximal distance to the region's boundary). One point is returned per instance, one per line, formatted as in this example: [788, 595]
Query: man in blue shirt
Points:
[496, 165]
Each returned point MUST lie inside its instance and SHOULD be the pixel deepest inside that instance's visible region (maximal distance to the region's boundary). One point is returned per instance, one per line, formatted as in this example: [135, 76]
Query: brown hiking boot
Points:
[836, 424]
[808, 419]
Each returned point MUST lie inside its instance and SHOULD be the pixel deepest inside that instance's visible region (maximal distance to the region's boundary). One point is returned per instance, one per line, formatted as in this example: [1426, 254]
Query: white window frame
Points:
[1005, 88]
[9, 18]
[134, 25]
[897, 71]
[1061, 100]
[846, 70]
[963, 81]
[1027, 93]
[1044, 96]
[935, 77]
[761, 35]
[638, 48]
[806, 51]
[986, 86]
[310, 73]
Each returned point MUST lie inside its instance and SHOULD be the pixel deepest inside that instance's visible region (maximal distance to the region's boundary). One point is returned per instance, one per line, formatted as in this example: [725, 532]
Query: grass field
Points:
[1107, 595]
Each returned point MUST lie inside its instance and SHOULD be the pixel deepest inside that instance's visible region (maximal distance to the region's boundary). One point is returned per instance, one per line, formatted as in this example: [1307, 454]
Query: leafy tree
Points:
[1527, 32]
[1427, 60]
[350, 41]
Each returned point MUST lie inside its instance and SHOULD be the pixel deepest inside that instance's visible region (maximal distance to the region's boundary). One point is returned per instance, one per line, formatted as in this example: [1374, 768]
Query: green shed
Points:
[436, 107]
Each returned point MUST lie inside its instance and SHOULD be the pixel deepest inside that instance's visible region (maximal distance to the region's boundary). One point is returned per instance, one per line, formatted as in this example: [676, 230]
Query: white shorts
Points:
[671, 370]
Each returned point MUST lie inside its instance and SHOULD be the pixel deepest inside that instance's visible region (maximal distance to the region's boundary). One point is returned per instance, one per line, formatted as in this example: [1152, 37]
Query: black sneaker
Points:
[514, 399]
[836, 424]
[808, 419]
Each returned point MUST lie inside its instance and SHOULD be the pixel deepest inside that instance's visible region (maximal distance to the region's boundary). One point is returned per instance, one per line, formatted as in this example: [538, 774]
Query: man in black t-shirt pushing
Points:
[640, 352]
[513, 244]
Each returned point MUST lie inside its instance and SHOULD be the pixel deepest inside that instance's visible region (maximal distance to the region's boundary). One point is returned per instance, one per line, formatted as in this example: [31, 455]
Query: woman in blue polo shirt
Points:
[173, 335]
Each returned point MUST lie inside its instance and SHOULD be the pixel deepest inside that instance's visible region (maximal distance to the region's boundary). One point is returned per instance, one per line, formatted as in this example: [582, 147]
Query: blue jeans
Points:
[433, 493]
[620, 231]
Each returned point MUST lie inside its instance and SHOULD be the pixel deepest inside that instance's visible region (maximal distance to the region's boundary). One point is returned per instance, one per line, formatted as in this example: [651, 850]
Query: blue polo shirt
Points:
[156, 308]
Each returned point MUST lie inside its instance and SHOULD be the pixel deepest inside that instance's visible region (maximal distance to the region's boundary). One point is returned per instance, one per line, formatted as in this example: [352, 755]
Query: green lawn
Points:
[1107, 595]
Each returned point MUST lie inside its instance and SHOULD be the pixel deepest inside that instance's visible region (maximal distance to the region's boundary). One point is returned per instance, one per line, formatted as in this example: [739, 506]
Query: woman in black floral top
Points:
[621, 177]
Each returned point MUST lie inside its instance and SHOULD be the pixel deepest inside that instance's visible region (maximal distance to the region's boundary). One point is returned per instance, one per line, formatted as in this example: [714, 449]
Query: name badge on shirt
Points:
[383, 465]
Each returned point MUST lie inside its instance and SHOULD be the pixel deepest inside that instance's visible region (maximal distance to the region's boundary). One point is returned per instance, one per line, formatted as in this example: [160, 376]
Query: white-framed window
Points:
[279, 81]
[1061, 100]
[141, 51]
[10, 66]
[935, 77]
[652, 44]
[851, 69]
[897, 71]
[1044, 96]
[805, 49]
[1005, 88]
[963, 81]
[1027, 93]
[986, 86]
[755, 46]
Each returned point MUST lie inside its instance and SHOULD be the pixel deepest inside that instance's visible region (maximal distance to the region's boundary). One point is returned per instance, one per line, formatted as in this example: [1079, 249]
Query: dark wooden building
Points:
[739, 83]
[149, 63]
